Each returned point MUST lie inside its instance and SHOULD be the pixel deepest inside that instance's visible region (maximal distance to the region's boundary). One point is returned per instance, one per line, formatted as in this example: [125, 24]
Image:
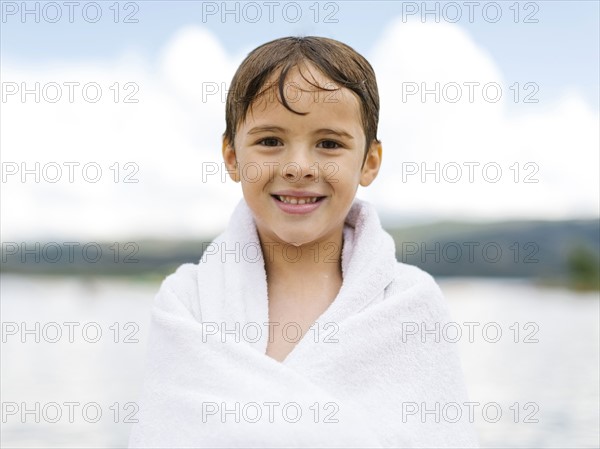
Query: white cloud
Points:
[168, 134]
[174, 129]
[559, 139]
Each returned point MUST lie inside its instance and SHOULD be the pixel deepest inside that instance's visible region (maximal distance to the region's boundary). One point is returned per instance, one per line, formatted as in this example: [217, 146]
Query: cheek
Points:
[254, 171]
[342, 174]
[252, 174]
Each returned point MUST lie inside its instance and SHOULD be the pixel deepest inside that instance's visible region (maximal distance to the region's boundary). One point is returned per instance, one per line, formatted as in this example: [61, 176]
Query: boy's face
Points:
[301, 157]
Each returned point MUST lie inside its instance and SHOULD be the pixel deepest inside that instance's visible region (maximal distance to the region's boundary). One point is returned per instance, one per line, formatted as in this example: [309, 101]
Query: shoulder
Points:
[180, 289]
[417, 289]
[410, 276]
[183, 279]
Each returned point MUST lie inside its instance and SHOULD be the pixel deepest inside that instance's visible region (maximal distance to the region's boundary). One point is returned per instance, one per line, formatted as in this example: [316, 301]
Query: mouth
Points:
[298, 205]
[286, 199]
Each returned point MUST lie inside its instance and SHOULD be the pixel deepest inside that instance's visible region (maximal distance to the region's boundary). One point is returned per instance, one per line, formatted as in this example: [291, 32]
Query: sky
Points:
[134, 91]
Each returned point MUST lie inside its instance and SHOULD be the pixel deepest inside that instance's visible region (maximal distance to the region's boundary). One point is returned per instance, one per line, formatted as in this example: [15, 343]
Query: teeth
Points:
[295, 200]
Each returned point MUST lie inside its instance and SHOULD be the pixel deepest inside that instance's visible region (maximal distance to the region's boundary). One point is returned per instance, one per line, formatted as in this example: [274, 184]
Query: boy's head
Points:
[335, 60]
[301, 136]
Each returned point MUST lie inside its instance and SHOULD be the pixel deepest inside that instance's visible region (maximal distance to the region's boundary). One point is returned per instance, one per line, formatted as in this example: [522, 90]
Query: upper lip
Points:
[297, 193]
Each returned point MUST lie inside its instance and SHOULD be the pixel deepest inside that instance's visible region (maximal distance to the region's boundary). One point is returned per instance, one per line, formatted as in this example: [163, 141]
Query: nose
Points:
[299, 166]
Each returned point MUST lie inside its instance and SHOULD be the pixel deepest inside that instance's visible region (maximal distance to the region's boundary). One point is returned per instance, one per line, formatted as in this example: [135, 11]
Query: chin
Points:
[296, 239]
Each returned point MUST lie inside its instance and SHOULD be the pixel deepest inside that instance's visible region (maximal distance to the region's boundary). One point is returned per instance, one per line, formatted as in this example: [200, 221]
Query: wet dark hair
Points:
[336, 60]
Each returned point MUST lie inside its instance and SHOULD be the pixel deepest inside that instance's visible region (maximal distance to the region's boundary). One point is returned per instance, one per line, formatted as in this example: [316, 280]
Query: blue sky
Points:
[559, 51]
[173, 132]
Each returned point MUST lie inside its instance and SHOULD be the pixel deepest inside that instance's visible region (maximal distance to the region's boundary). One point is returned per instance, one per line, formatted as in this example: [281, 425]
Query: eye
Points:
[330, 144]
[269, 142]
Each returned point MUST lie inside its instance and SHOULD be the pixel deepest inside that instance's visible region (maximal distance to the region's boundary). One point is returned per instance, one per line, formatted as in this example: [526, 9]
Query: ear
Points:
[230, 160]
[371, 165]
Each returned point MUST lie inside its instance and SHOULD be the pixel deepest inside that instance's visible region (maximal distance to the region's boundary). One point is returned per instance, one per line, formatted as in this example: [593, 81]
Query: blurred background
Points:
[110, 138]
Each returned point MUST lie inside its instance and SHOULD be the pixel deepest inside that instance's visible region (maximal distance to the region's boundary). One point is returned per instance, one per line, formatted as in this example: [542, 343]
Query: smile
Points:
[298, 204]
[298, 200]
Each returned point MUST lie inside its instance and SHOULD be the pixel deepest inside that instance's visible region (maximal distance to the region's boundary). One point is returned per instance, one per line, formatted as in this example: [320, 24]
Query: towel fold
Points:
[361, 377]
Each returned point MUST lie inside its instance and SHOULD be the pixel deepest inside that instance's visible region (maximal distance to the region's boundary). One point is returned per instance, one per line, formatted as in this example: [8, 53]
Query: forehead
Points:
[336, 106]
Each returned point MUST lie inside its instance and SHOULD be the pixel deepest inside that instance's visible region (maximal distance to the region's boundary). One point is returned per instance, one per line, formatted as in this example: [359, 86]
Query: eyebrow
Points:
[337, 132]
[271, 128]
[266, 128]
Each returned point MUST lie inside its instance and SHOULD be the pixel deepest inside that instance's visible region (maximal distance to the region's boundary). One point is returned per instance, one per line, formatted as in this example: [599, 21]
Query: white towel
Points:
[361, 378]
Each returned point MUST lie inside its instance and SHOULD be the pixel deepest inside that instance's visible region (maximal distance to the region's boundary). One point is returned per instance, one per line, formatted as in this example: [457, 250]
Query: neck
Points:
[314, 262]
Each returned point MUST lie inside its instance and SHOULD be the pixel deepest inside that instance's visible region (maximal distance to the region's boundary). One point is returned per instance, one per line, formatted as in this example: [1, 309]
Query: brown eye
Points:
[269, 142]
[330, 145]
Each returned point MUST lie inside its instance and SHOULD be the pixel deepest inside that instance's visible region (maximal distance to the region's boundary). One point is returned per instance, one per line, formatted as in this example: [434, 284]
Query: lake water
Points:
[532, 354]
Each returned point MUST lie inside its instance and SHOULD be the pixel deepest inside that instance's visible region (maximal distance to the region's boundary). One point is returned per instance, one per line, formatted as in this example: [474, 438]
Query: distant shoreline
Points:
[561, 253]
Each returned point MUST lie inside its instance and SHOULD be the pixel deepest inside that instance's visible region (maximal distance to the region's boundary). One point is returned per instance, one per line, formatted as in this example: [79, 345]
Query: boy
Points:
[301, 135]
[321, 150]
